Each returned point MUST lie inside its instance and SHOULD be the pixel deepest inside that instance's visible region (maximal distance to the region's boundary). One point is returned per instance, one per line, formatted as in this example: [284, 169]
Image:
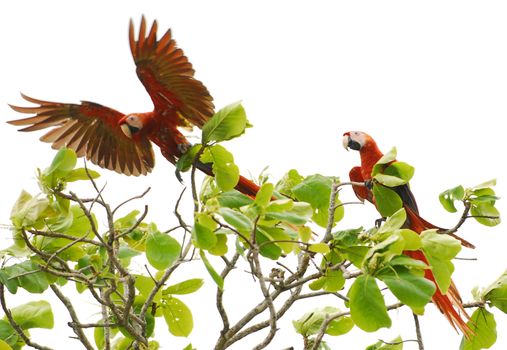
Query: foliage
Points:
[290, 226]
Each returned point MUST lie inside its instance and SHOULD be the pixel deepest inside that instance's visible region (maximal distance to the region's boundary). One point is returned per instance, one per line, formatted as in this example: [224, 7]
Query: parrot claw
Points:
[369, 184]
[378, 222]
[178, 176]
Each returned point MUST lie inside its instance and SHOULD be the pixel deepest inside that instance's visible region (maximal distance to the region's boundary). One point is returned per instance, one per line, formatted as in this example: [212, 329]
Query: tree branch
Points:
[418, 332]
[15, 325]
[73, 315]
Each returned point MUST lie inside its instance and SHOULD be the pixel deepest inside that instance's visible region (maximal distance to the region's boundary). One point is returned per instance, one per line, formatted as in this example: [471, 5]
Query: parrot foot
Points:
[378, 222]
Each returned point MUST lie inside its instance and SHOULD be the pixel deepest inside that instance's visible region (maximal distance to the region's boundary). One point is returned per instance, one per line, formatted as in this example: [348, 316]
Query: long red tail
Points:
[244, 185]
[450, 304]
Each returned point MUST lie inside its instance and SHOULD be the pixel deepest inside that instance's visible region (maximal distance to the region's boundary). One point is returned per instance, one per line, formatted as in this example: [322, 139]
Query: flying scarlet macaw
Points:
[450, 304]
[120, 142]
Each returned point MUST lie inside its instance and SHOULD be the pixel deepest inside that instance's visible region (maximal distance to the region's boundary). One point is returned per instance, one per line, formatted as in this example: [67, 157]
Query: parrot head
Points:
[355, 140]
[131, 124]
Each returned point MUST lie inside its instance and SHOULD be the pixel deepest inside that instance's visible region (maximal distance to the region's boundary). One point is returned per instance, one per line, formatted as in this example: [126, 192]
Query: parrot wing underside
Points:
[91, 130]
[168, 77]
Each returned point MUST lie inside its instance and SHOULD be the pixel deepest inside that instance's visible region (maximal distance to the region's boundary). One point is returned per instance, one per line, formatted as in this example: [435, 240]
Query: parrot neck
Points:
[370, 155]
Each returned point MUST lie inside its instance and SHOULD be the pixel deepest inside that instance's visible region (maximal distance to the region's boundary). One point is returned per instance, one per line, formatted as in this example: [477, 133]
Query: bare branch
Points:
[229, 266]
[16, 326]
[269, 300]
[73, 315]
[331, 211]
[418, 332]
[331, 317]
[131, 199]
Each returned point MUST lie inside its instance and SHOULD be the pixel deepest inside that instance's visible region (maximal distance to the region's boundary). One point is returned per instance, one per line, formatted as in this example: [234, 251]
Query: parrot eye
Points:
[134, 121]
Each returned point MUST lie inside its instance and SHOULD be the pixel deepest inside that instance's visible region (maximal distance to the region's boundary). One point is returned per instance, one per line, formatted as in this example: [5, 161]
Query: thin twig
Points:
[229, 266]
[331, 317]
[73, 315]
[131, 199]
[418, 332]
[15, 325]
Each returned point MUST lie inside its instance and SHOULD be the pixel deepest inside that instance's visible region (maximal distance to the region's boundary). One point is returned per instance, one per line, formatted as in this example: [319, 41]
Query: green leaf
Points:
[400, 170]
[8, 334]
[279, 234]
[34, 314]
[340, 326]
[412, 290]
[268, 248]
[27, 210]
[64, 161]
[161, 249]
[178, 317]
[333, 281]
[316, 190]
[367, 306]
[225, 171]
[220, 248]
[483, 325]
[280, 205]
[405, 261]
[211, 270]
[395, 344]
[411, 240]
[321, 248]
[480, 210]
[264, 195]
[81, 174]
[394, 221]
[203, 231]
[440, 249]
[4, 345]
[145, 285]
[448, 197]
[347, 238]
[236, 219]
[289, 217]
[388, 202]
[233, 199]
[310, 323]
[496, 293]
[185, 162]
[386, 159]
[486, 184]
[389, 180]
[289, 181]
[226, 124]
[125, 254]
[185, 287]
[26, 275]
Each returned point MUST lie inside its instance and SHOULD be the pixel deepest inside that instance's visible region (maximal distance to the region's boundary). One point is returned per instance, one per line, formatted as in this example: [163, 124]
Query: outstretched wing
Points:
[168, 77]
[91, 130]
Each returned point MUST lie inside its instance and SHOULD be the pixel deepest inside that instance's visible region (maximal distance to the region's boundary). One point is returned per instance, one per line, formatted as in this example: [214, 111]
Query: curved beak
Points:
[126, 130]
[346, 141]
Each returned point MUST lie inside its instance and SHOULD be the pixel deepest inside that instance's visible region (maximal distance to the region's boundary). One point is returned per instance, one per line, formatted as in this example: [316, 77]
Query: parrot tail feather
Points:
[450, 304]
[245, 186]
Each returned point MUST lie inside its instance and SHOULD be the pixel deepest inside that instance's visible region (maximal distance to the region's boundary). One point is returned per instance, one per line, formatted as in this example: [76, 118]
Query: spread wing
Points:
[91, 130]
[168, 77]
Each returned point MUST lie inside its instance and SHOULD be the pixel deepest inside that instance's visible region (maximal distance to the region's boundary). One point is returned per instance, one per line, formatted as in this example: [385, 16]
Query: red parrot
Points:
[120, 142]
[450, 304]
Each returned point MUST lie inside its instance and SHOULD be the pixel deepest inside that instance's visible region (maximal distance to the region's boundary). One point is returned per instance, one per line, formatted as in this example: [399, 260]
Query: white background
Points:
[428, 77]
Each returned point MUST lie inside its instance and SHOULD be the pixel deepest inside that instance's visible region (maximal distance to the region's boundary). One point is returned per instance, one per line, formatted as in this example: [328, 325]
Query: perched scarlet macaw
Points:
[449, 304]
[122, 142]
